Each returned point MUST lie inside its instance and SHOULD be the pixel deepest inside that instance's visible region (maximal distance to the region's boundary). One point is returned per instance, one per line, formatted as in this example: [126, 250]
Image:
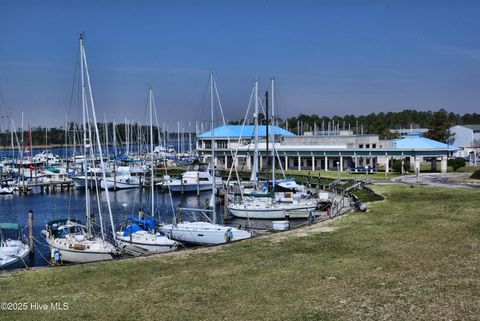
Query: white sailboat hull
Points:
[110, 184]
[203, 233]
[155, 244]
[82, 251]
[247, 211]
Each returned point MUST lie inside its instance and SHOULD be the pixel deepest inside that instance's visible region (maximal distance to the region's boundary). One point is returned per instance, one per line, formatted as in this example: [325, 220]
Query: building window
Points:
[367, 145]
[208, 144]
[360, 146]
[374, 145]
[222, 144]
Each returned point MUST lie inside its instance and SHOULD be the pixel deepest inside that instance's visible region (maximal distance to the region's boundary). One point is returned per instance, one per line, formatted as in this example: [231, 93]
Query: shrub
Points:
[397, 166]
[456, 163]
[476, 174]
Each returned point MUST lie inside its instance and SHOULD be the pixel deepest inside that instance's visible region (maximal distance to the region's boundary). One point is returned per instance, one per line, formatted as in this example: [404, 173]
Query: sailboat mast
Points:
[102, 164]
[273, 134]
[84, 118]
[267, 139]
[152, 184]
[254, 176]
[212, 201]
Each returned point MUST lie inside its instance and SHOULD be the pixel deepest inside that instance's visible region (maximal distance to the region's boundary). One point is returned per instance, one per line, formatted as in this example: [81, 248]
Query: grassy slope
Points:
[414, 256]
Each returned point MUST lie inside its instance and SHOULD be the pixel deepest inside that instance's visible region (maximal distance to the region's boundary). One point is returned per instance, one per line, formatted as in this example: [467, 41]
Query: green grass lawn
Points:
[414, 256]
[346, 175]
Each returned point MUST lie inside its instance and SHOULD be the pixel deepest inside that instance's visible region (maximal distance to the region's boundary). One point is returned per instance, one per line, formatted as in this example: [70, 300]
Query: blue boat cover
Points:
[131, 229]
[147, 224]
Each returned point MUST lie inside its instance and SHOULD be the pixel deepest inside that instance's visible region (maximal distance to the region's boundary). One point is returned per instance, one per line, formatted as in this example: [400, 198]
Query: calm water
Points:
[14, 208]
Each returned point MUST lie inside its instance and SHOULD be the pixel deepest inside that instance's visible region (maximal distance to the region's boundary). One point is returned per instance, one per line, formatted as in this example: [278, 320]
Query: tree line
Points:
[40, 136]
[381, 123]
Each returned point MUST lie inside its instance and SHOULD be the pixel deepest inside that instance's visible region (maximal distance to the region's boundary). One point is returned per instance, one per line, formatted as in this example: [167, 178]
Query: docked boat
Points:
[141, 232]
[196, 177]
[263, 202]
[4, 190]
[12, 250]
[204, 233]
[201, 232]
[272, 208]
[75, 243]
[124, 178]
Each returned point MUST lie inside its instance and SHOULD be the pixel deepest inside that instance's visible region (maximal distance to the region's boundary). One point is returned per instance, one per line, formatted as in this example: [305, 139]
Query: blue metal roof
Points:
[415, 142]
[235, 131]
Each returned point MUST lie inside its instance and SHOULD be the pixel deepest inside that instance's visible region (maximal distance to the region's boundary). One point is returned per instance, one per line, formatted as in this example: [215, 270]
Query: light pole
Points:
[338, 169]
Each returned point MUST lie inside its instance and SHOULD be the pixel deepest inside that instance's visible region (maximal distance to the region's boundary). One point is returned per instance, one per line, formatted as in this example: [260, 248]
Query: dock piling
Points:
[30, 231]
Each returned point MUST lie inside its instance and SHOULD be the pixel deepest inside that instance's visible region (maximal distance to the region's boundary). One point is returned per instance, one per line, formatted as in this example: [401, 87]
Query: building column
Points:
[443, 164]
[286, 162]
[387, 164]
[260, 163]
[249, 162]
[412, 163]
[299, 163]
[326, 163]
[313, 163]
[417, 165]
[356, 164]
[341, 163]
[225, 166]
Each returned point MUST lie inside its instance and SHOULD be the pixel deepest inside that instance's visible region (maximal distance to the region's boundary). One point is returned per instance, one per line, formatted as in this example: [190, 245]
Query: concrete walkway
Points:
[437, 179]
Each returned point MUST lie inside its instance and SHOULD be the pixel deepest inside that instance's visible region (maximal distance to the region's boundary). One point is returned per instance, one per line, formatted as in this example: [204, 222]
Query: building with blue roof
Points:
[235, 147]
[247, 131]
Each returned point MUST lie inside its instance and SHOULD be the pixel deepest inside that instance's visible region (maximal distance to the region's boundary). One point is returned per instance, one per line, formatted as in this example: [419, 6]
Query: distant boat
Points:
[196, 177]
[11, 250]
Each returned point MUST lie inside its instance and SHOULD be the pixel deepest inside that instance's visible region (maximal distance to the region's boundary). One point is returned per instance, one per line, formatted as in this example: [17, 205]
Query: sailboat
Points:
[140, 232]
[206, 233]
[11, 250]
[76, 242]
[264, 204]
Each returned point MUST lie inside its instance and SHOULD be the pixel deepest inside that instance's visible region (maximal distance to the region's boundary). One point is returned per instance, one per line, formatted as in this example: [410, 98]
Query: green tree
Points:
[438, 126]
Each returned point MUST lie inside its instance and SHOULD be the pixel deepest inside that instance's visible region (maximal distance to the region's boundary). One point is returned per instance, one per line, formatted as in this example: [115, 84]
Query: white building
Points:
[467, 138]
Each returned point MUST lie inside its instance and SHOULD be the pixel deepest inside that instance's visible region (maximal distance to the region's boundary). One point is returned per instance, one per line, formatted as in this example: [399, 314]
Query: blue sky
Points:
[329, 57]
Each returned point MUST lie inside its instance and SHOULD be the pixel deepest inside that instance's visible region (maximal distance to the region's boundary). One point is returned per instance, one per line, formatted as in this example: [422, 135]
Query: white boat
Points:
[93, 179]
[76, 242]
[124, 178]
[11, 250]
[73, 241]
[204, 233]
[196, 177]
[6, 190]
[141, 232]
[270, 205]
[270, 208]
[47, 158]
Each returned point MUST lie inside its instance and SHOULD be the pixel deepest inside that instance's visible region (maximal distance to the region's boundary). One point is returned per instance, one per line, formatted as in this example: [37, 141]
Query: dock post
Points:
[30, 231]
[198, 184]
